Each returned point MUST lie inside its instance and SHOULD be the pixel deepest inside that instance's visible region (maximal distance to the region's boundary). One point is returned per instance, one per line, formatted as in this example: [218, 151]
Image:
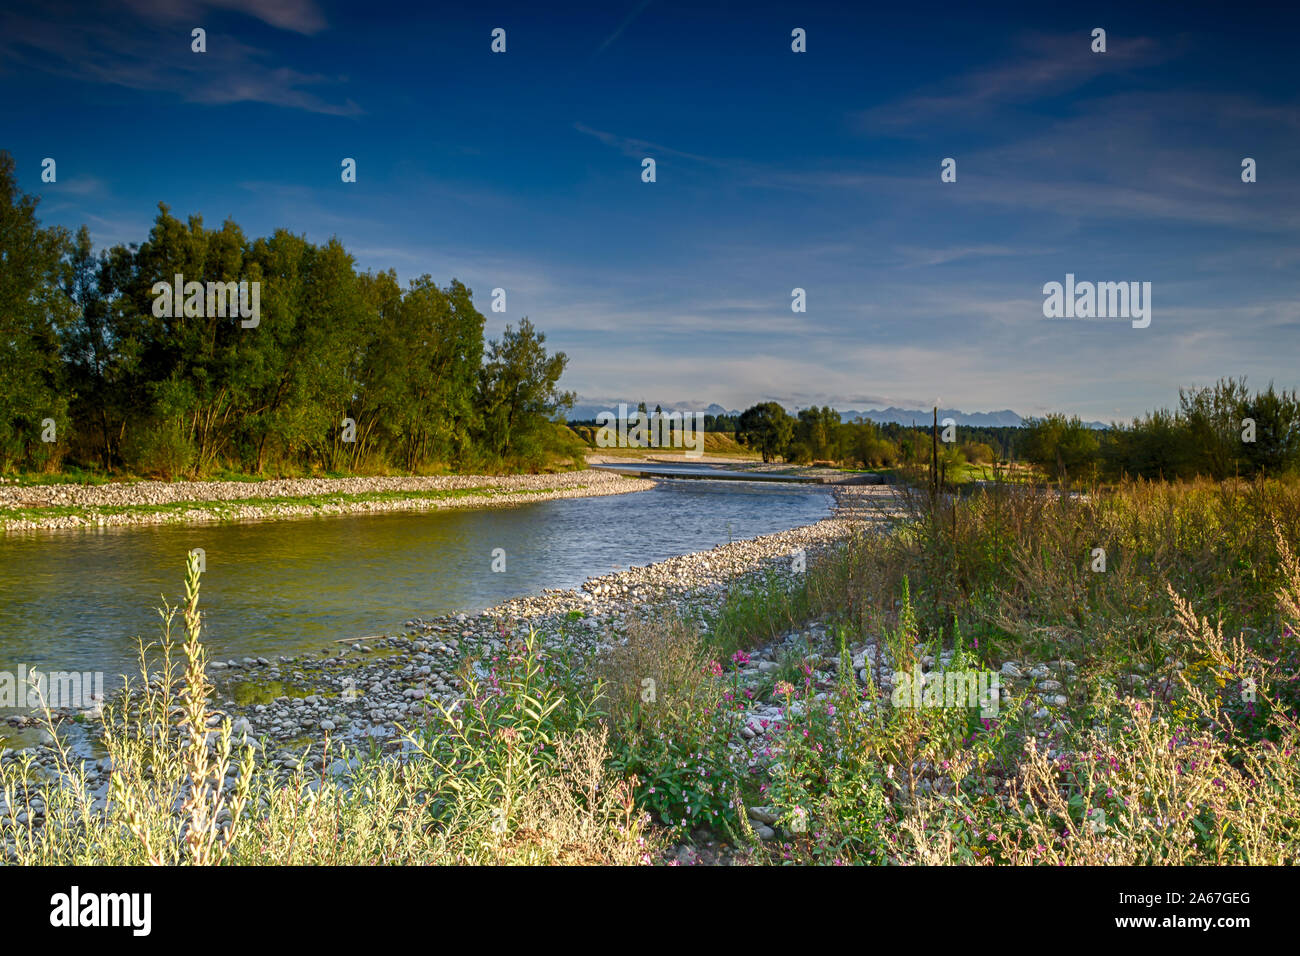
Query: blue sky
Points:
[775, 170]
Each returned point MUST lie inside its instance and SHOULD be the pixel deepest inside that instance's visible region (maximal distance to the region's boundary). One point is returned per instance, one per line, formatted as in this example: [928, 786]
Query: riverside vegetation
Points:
[1149, 715]
[345, 371]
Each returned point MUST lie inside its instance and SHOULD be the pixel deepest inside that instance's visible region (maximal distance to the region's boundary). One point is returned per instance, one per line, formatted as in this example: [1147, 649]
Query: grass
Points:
[963, 475]
[758, 611]
[716, 444]
[1168, 746]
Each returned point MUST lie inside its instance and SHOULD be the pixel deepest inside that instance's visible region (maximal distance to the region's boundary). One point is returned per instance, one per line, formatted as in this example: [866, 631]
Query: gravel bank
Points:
[366, 688]
[361, 688]
[193, 502]
[362, 691]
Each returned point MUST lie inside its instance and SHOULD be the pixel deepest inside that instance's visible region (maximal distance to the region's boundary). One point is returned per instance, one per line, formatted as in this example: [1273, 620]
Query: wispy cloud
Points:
[299, 16]
[627, 21]
[1049, 65]
[919, 256]
[81, 185]
[632, 146]
[140, 50]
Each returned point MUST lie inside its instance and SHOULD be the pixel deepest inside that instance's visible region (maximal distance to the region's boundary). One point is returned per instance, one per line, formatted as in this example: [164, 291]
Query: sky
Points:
[775, 170]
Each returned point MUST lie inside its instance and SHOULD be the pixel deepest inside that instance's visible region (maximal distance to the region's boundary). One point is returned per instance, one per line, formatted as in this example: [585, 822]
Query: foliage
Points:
[343, 371]
[671, 716]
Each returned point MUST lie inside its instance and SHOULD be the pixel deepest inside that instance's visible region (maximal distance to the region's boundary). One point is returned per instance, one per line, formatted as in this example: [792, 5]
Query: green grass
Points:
[716, 444]
[757, 611]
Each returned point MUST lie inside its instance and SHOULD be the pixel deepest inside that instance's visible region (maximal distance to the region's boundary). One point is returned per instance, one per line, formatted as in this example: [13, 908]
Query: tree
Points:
[33, 312]
[91, 362]
[767, 427]
[1276, 448]
[1212, 417]
[517, 393]
[82, 345]
[1064, 448]
[814, 434]
[442, 344]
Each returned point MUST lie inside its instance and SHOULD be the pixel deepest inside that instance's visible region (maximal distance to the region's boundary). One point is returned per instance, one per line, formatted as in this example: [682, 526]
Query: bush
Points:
[161, 448]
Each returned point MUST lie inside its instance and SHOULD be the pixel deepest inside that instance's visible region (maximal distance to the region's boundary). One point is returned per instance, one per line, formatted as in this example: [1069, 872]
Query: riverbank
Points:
[372, 687]
[811, 696]
[70, 506]
[365, 689]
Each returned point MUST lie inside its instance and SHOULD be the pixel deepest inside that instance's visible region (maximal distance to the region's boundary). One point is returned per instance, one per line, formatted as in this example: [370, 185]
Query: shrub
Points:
[161, 448]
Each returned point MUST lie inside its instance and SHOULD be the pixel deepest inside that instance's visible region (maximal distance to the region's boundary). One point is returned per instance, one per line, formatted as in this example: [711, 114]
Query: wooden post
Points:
[934, 453]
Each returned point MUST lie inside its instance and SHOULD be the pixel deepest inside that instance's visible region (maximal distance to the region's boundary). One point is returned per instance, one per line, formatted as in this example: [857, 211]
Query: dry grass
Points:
[1180, 744]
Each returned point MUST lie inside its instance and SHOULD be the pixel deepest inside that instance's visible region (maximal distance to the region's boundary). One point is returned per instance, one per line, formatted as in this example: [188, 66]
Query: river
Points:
[77, 600]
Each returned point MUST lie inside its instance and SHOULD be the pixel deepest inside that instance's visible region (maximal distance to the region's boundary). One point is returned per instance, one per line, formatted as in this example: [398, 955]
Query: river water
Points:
[77, 600]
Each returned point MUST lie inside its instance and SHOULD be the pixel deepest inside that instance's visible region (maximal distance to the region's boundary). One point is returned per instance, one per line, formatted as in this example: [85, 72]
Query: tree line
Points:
[1218, 431]
[343, 370]
[819, 435]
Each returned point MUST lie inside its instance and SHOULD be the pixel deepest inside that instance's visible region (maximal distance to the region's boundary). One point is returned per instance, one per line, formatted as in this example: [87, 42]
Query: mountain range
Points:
[1005, 418]
[585, 411]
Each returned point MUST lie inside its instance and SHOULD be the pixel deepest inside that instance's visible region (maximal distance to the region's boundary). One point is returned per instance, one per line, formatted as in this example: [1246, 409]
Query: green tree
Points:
[1065, 448]
[91, 363]
[1276, 448]
[33, 312]
[766, 427]
[518, 394]
[1212, 417]
[814, 434]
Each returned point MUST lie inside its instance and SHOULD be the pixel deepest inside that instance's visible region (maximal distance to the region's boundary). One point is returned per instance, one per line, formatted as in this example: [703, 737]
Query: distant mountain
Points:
[1005, 418]
[587, 411]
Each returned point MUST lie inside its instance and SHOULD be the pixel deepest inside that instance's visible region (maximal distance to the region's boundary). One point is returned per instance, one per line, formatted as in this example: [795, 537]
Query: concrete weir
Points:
[711, 473]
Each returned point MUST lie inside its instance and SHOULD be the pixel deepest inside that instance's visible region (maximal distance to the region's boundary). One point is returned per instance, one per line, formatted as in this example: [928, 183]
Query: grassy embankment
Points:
[716, 445]
[1177, 744]
[563, 451]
